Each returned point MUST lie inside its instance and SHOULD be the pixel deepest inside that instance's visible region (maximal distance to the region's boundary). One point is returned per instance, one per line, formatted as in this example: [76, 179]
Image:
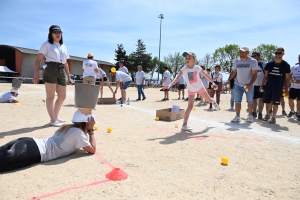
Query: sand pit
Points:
[161, 161]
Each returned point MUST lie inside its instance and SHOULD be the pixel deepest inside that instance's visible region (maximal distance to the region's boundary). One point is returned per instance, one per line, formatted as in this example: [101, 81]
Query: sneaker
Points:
[266, 118]
[298, 117]
[210, 107]
[138, 99]
[178, 98]
[167, 99]
[250, 118]
[186, 128]
[143, 98]
[56, 123]
[182, 98]
[272, 120]
[291, 114]
[236, 119]
[120, 99]
[187, 99]
[164, 99]
[259, 116]
[217, 107]
[283, 112]
[254, 114]
[61, 120]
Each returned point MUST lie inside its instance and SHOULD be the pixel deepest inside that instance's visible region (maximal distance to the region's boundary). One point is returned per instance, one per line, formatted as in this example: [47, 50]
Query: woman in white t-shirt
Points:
[56, 72]
[218, 80]
[26, 151]
[194, 85]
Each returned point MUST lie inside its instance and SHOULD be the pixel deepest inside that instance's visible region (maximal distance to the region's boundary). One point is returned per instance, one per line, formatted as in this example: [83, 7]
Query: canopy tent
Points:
[5, 69]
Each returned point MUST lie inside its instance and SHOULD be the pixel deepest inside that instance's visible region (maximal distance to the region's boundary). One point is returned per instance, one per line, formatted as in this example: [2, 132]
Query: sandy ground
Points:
[162, 162]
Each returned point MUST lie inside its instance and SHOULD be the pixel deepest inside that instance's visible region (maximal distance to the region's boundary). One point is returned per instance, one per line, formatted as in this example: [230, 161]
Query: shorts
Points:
[257, 93]
[104, 79]
[272, 96]
[125, 85]
[55, 73]
[89, 80]
[238, 94]
[201, 91]
[181, 87]
[294, 93]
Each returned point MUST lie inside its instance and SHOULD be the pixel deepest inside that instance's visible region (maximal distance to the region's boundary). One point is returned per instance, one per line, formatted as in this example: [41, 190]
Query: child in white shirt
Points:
[194, 85]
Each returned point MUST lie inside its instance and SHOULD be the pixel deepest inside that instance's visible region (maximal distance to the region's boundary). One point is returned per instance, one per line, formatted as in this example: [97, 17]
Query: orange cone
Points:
[116, 175]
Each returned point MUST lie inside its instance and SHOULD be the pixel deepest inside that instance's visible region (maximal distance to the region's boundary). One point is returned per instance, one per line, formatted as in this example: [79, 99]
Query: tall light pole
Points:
[161, 16]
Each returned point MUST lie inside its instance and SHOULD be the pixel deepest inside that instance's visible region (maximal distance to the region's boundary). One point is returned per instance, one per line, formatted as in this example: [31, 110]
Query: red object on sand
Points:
[117, 175]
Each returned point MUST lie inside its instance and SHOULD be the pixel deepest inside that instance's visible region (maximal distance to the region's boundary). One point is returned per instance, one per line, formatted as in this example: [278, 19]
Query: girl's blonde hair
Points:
[64, 128]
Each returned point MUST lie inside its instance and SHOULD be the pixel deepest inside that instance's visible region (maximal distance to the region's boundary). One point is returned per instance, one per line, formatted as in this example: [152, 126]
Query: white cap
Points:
[244, 49]
[80, 117]
[14, 90]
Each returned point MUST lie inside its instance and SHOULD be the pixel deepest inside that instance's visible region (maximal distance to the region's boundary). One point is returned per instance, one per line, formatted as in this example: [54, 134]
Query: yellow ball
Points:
[194, 108]
[95, 127]
[157, 118]
[224, 160]
[176, 125]
[109, 129]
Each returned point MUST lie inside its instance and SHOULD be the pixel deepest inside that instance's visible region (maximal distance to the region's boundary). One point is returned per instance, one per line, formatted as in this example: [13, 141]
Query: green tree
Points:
[266, 51]
[207, 61]
[225, 56]
[140, 57]
[174, 62]
[120, 54]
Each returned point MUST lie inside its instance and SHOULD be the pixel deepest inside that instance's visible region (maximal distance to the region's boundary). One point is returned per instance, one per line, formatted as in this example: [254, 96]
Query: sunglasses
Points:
[57, 32]
[278, 53]
[253, 56]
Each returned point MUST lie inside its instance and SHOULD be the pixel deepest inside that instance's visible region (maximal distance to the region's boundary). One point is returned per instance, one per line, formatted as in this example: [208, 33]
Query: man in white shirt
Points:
[258, 95]
[139, 80]
[123, 78]
[90, 68]
[9, 97]
[294, 92]
[166, 81]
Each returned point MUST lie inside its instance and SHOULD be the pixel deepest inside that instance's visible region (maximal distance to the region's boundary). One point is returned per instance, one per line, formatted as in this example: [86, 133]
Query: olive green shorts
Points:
[55, 73]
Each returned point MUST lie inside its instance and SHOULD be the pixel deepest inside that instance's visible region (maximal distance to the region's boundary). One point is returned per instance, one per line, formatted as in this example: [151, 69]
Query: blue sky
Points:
[200, 26]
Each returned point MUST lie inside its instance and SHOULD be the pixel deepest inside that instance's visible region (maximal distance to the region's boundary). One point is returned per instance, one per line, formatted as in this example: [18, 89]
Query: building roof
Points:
[35, 52]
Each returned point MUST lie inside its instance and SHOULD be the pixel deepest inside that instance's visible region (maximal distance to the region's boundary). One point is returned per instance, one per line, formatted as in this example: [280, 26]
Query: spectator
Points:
[123, 78]
[166, 81]
[258, 95]
[277, 75]
[218, 80]
[294, 92]
[245, 69]
[139, 79]
[181, 87]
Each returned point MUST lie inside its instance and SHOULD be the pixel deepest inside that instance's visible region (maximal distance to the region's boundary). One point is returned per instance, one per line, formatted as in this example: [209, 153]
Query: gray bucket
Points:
[86, 96]
[16, 83]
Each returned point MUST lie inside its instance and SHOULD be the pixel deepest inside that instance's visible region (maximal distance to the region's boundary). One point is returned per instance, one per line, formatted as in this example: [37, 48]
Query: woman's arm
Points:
[89, 126]
[68, 72]
[36, 78]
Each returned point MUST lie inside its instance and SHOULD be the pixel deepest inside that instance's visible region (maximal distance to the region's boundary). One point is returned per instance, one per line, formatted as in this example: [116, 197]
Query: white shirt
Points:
[295, 70]
[217, 77]
[168, 80]
[260, 75]
[6, 97]
[122, 76]
[60, 145]
[100, 73]
[123, 69]
[89, 67]
[54, 52]
[139, 77]
[181, 80]
[192, 78]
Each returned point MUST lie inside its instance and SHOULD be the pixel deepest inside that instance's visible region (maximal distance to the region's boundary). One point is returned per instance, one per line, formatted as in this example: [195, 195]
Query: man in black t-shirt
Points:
[277, 75]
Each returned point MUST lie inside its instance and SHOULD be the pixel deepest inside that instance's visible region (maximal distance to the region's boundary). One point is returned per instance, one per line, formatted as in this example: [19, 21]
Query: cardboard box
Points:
[107, 101]
[166, 114]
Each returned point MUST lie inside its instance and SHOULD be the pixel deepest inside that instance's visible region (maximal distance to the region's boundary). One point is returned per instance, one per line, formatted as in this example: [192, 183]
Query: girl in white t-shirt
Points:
[56, 72]
[194, 85]
[26, 151]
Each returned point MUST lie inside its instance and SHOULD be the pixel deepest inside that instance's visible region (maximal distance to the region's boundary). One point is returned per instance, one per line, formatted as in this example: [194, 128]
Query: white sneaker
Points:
[61, 120]
[236, 119]
[250, 118]
[186, 128]
[56, 123]
[217, 107]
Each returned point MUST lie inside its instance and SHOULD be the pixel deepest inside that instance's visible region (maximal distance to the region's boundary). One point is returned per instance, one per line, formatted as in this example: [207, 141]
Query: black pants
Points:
[19, 153]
